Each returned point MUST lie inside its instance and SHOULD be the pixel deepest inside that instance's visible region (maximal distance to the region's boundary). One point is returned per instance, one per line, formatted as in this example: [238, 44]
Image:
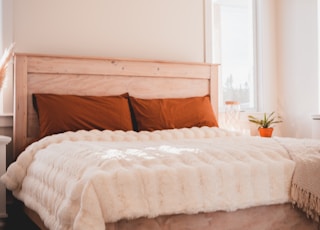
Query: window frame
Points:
[257, 68]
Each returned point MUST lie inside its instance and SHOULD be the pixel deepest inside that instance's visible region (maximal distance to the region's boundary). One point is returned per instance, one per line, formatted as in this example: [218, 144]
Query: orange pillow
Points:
[158, 114]
[60, 113]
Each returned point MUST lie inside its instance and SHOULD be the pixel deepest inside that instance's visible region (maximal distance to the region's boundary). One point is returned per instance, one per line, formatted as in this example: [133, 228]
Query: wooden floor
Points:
[16, 220]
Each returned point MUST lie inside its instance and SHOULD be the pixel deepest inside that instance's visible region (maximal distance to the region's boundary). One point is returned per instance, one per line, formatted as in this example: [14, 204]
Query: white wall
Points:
[288, 57]
[297, 65]
[148, 29]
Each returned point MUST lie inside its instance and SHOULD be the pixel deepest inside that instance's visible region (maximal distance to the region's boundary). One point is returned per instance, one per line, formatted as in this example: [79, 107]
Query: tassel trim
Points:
[306, 201]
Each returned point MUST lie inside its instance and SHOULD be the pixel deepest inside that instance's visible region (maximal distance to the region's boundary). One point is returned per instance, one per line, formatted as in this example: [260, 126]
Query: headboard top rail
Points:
[114, 66]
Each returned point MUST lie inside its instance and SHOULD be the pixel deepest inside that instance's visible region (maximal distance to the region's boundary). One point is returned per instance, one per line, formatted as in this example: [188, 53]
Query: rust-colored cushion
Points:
[158, 114]
[60, 113]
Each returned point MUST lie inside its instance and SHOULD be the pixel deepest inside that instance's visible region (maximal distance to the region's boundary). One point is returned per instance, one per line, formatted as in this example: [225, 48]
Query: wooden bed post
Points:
[20, 105]
[214, 87]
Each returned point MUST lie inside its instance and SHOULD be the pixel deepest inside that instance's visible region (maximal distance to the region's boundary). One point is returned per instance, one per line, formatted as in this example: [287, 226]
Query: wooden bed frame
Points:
[140, 78]
[102, 76]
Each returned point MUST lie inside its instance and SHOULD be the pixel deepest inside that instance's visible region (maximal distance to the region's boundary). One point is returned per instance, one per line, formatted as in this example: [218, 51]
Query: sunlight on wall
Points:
[6, 38]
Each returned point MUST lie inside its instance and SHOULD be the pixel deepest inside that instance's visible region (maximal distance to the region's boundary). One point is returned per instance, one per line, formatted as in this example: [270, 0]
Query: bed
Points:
[147, 173]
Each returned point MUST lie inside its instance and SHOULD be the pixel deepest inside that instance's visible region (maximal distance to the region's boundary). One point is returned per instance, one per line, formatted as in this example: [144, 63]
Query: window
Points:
[232, 44]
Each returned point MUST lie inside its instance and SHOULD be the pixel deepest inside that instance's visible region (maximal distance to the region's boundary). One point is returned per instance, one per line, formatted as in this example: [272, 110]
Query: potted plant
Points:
[265, 124]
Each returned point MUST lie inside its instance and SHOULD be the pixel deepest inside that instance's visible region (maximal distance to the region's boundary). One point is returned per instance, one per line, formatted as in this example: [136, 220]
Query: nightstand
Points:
[4, 140]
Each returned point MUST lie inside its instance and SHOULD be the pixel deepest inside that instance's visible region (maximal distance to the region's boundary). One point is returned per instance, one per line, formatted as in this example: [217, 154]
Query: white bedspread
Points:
[80, 180]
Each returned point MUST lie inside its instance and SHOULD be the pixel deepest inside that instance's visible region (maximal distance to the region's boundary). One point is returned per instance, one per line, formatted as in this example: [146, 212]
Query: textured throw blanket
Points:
[305, 191]
[84, 179]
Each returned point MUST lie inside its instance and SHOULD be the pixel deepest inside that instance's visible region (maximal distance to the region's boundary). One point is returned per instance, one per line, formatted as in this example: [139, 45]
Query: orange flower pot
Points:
[265, 132]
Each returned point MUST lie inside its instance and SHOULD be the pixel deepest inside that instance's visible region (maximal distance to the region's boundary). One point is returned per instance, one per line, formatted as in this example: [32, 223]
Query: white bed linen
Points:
[80, 180]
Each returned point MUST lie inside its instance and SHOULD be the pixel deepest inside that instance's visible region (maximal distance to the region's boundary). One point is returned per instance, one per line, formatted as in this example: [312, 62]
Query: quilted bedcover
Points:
[84, 179]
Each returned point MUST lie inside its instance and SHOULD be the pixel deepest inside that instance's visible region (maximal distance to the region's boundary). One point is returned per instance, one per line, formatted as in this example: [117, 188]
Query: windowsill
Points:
[240, 124]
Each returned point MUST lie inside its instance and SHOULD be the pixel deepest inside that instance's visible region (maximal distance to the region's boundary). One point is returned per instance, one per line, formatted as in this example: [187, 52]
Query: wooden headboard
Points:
[102, 76]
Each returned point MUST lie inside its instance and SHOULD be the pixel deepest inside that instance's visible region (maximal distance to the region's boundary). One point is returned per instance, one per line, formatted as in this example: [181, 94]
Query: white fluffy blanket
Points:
[81, 180]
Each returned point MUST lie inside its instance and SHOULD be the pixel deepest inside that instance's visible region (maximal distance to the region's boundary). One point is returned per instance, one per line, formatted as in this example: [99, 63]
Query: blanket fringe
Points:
[306, 201]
